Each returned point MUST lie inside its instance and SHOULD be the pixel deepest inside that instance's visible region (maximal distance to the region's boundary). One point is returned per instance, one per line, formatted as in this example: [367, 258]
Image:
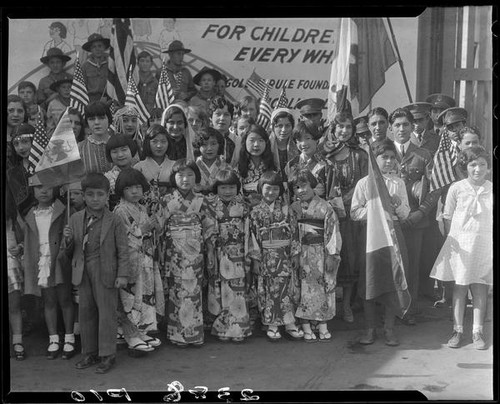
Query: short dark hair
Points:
[129, 177]
[153, 131]
[227, 176]
[155, 113]
[182, 164]
[270, 178]
[469, 129]
[96, 181]
[306, 127]
[119, 140]
[244, 102]
[380, 147]
[283, 115]
[219, 102]
[144, 54]
[471, 154]
[14, 98]
[378, 111]
[79, 136]
[206, 134]
[23, 84]
[98, 108]
[303, 175]
[401, 113]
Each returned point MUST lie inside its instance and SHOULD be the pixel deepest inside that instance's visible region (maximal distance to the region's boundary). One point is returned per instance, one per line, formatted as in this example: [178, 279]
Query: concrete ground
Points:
[297, 371]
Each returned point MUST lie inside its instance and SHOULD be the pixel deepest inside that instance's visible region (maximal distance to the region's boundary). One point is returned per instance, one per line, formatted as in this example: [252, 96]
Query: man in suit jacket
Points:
[97, 241]
[422, 135]
[415, 165]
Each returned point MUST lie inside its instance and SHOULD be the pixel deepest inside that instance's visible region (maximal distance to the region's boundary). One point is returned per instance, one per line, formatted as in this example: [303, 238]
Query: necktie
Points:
[403, 150]
[91, 220]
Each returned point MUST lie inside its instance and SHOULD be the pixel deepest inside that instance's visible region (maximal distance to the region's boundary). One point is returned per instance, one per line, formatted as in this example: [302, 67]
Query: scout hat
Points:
[440, 101]
[361, 124]
[310, 106]
[206, 70]
[55, 85]
[452, 115]
[419, 109]
[94, 38]
[175, 46]
[54, 53]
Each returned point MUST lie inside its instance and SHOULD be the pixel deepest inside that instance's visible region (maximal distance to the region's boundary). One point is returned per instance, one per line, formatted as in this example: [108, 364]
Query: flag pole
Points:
[399, 60]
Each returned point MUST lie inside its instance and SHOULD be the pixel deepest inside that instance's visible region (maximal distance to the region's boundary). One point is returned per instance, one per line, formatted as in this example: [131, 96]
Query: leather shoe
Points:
[107, 363]
[369, 338]
[87, 361]
[390, 338]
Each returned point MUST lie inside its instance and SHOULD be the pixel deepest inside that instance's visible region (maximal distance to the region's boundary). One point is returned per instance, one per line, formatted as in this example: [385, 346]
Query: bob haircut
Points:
[283, 115]
[95, 181]
[401, 113]
[303, 128]
[267, 156]
[219, 102]
[206, 134]
[153, 131]
[182, 164]
[129, 177]
[301, 176]
[383, 146]
[98, 108]
[471, 154]
[119, 140]
[270, 178]
[227, 176]
[378, 111]
[200, 113]
[469, 129]
[171, 112]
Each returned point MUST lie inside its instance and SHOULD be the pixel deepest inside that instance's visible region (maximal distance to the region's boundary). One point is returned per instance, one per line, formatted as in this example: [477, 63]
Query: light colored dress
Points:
[467, 253]
[227, 297]
[318, 237]
[189, 224]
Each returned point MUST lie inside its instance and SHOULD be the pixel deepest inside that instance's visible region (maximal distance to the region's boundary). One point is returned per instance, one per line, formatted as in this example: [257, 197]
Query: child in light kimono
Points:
[273, 259]
[189, 231]
[229, 283]
[319, 243]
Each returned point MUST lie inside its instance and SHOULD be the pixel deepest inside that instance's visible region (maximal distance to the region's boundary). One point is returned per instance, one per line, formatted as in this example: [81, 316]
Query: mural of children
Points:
[141, 27]
[80, 30]
[105, 25]
[57, 33]
[169, 34]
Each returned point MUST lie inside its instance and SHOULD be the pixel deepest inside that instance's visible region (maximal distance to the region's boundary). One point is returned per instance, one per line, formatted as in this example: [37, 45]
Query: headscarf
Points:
[189, 134]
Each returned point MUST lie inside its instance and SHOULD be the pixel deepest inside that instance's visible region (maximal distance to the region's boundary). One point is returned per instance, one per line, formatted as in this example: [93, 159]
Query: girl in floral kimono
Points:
[142, 299]
[320, 243]
[228, 284]
[189, 231]
[270, 249]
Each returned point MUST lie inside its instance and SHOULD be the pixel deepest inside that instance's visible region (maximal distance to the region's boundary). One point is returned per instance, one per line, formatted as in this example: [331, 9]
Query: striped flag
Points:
[121, 57]
[445, 159]
[79, 97]
[257, 83]
[164, 93]
[133, 99]
[40, 142]
[283, 99]
[265, 110]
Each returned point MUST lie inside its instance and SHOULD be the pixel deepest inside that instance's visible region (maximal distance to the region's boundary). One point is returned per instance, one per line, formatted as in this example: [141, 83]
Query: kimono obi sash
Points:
[277, 235]
[312, 231]
[186, 235]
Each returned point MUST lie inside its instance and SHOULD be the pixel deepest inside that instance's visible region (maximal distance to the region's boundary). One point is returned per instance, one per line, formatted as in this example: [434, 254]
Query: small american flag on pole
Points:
[445, 158]
[283, 99]
[165, 93]
[133, 99]
[79, 97]
[257, 83]
[40, 142]
[264, 117]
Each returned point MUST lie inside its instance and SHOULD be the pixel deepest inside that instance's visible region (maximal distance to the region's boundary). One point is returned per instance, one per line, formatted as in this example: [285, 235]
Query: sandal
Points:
[141, 346]
[53, 354]
[198, 344]
[151, 341]
[309, 336]
[179, 344]
[224, 339]
[120, 338]
[325, 336]
[294, 334]
[19, 354]
[273, 336]
[239, 339]
[68, 354]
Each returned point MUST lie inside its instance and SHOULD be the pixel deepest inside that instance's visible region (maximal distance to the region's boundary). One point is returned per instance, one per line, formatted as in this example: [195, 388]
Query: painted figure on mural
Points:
[168, 34]
[141, 27]
[57, 33]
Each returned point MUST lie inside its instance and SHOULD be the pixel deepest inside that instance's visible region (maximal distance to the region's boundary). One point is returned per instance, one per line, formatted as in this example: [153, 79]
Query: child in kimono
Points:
[189, 231]
[319, 243]
[228, 284]
[270, 249]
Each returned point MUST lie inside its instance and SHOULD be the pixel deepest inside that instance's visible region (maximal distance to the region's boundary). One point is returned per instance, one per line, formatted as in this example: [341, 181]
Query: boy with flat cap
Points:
[439, 102]
[179, 75]
[453, 119]
[55, 61]
[422, 136]
[95, 68]
[361, 130]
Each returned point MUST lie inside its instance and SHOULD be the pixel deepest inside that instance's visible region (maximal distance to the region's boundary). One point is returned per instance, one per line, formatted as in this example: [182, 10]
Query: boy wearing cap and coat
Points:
[55, 61]
[422, 136]
[207, 80]
[179, 75]
[439, 102]
[95, 68]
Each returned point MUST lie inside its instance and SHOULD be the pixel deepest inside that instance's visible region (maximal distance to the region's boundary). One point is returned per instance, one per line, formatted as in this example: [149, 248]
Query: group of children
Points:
[204, 220]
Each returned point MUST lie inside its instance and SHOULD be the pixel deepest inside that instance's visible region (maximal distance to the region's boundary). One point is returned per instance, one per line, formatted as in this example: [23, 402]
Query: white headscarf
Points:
[189, 134]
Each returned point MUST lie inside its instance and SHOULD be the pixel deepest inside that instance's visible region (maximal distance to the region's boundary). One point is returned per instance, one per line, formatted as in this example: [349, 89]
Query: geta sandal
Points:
[272, 335]
[325, 336]
[20, 354]
[309, 337]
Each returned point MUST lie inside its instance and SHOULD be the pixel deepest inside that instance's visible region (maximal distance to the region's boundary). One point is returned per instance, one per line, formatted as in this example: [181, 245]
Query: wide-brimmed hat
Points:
[206, 70]
[57, 83]
[94, 38]
[310, 106]
[440, 101]
[452, 115]
[55, 53]
[361, 124]
[419, 109]
[175, 46]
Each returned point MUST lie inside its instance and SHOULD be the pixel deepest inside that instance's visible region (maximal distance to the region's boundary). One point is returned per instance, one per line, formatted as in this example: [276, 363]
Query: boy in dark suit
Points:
[96, 239]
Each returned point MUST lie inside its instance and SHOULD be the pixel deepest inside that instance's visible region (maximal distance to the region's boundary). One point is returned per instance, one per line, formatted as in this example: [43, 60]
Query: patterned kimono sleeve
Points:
[295, 212]
[252, 242]
[134, 233]
[208, 222]
[333, 240]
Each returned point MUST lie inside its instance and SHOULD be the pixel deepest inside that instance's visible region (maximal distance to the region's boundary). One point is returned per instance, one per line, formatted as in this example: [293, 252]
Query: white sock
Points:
[17, 338]
[458, 328]
[53, 338]
[477, 328]
[69, 337]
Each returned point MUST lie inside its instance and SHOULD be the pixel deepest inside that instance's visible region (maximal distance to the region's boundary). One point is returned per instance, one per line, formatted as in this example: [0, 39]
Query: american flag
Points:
[283, 99]
[264, 117]
[121, 57]
[79, 95]
[445, 158]
[133, 99]
[257, 83]
[165, 93]
[40, 142]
